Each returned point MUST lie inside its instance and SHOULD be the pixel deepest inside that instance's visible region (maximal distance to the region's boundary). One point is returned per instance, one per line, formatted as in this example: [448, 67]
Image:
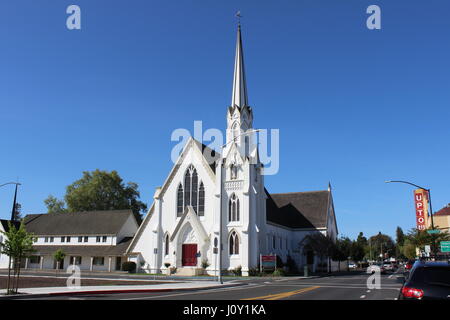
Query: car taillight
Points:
[412, 293]
[408, 266]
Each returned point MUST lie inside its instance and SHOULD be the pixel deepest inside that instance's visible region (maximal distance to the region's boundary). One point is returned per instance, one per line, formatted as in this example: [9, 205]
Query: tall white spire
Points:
[239, 96]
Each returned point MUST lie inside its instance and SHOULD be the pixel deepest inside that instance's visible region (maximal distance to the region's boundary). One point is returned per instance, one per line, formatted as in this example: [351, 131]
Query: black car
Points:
[427, 280]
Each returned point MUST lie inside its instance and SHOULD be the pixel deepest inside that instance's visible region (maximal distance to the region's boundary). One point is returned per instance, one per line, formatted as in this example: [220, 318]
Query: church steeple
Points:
[239, 95]
[240, 114]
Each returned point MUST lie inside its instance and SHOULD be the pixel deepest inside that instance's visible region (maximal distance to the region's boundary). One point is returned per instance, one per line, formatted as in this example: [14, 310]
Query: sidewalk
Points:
[192, 285]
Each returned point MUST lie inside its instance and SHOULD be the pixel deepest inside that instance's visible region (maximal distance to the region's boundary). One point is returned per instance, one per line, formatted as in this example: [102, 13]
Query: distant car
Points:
[427, 280]
[352, 266]
[373, 268]
[388, 266]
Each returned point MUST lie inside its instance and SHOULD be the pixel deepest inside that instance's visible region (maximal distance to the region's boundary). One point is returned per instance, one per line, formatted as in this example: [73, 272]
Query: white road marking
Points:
[368, 291]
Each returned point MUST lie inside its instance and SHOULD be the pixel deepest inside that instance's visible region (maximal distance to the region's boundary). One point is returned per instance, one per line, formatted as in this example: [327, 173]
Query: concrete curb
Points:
[111, 291]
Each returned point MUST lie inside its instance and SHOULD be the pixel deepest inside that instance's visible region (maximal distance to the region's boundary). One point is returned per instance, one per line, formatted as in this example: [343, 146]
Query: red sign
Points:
[421, 204]
[268, 258]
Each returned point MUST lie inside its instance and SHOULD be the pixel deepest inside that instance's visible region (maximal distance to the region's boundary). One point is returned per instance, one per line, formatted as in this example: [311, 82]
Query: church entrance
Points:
[189, 255]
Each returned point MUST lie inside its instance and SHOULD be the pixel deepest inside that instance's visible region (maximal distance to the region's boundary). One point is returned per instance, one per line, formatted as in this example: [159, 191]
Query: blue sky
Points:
[354, 106]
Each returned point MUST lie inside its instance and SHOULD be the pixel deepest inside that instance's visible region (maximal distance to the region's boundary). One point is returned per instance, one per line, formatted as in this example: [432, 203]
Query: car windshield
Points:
[440, 276]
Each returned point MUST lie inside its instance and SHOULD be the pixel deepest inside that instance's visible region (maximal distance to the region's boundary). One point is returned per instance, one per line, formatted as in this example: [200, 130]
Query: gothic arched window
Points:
[194, 195]
[201, 200]
[233, 208]
[234, 243]
[180, 206]
[166, 245]
[233, 171]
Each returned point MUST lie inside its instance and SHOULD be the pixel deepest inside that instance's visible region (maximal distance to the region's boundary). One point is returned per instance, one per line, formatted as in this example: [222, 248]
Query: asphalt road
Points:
[342, 287]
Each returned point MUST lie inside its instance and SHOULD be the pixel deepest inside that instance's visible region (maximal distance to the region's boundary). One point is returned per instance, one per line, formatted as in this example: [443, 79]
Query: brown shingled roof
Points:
[107, 222]
[298, 209]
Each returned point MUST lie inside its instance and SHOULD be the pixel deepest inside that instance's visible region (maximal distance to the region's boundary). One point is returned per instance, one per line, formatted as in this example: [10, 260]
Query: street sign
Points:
[445, 246]
[434, 231]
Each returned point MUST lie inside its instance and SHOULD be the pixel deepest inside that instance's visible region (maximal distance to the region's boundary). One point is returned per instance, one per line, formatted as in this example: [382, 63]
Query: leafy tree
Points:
[357, 251]
[420, 239]
[17, 212]
[54, 205]
[400, 236]
[399, 243]
[361, 240]
[59, 256]
[408, 249]
[18, 245]
[381, 243]
[99, 190]
[342, 250]
[322, 246]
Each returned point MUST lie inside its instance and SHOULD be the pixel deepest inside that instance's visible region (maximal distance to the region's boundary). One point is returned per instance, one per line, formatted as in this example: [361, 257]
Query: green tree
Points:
[361, 240]
[54, 205]
[382, 244]
[420, 239]
[322, 246]
[100, 190]
[59, 256]
[341, 250]
[408, 249]
[399, 243]
[18, 245]
[357, 251]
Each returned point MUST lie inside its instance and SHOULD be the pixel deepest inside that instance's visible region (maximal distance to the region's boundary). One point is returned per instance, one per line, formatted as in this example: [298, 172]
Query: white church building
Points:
[208, 194]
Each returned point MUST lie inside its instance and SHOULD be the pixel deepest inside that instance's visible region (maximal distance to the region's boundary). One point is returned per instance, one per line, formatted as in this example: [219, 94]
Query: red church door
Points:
[189, 255]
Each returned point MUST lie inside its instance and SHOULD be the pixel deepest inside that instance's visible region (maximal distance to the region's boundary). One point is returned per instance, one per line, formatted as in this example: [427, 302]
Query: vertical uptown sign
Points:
[421, 205]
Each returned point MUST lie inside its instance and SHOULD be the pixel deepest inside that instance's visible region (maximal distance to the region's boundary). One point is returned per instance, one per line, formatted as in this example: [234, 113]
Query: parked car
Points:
[352, 266]
[427, 280]
[372, 268]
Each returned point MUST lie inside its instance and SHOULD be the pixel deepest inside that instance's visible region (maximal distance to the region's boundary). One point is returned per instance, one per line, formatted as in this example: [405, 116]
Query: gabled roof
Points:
[445, 211]
[200, 147]
[108, 222]
[206, 151]
[298, 209]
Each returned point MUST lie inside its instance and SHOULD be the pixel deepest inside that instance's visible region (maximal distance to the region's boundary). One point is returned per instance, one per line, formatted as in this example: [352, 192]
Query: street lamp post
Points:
[429, 200]
[219, 278]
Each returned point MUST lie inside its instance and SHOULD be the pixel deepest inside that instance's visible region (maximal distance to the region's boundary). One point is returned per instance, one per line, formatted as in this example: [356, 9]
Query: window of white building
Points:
[166, 245]
[98, 261]
[192, 194]
[233, 208]
[234, 243]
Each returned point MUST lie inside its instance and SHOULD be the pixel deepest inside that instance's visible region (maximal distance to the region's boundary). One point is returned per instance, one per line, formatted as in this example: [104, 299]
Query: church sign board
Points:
[421, 205]
[268, 262]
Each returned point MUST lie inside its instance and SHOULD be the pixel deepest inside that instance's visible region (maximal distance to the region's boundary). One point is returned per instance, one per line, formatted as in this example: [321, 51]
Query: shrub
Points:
[254, 272]
[129, 266]
[205, 263]
[279, 272]
[237, 271]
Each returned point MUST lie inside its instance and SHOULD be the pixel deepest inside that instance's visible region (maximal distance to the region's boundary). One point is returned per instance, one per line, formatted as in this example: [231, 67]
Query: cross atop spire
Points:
[239, 96]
